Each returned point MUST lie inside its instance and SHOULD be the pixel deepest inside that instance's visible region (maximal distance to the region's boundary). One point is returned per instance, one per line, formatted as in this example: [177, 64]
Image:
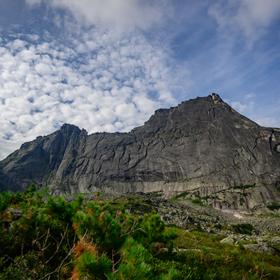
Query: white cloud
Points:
[95, 81]
[120, 13]
[251, 17]
[268, 121]
[240, 107]
[265, 115]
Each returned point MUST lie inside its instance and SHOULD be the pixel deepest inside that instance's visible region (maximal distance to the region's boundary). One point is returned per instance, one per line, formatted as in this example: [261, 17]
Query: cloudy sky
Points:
[106, 65]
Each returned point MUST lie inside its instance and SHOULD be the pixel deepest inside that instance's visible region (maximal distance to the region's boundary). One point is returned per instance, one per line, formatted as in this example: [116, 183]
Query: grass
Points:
[222, 261]
[197, 201]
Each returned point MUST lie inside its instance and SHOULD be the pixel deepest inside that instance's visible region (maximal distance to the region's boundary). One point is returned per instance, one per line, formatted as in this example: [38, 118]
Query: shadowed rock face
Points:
[201, 146]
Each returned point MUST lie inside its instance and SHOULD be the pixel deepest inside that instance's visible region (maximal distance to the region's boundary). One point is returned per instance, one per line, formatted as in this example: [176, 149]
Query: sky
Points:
[107, 65]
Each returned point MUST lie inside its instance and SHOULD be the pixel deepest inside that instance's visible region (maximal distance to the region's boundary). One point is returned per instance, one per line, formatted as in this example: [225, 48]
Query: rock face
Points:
[202, 146]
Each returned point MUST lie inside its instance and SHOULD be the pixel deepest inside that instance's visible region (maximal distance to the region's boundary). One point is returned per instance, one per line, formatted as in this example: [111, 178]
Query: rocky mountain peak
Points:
[70, 131]
[202, 146]
[69, 128]
[201, 112]
[216, 97]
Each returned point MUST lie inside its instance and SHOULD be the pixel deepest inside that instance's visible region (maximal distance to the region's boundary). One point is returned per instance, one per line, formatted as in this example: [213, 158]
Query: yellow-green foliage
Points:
[222, 261]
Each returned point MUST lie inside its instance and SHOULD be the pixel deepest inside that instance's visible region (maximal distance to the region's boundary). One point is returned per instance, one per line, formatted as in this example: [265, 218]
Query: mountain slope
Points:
[201, 146]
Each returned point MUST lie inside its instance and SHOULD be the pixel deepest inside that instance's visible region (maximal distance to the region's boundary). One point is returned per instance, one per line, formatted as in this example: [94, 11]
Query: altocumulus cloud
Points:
[97, 81]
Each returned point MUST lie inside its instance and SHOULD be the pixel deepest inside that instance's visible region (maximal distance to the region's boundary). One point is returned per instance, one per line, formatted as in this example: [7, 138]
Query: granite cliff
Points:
[201, 148]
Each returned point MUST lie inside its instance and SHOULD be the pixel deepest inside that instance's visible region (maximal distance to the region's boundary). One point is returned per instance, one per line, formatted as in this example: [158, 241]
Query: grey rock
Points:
[228, 240]
[201, 146]
[260, 248]
[275, 240]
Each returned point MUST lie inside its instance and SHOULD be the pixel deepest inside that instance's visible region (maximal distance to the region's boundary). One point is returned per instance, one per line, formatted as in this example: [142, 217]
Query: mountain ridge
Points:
[202, 146]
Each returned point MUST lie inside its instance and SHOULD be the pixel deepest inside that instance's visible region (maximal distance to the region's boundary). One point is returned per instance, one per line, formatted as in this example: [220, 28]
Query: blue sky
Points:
[106, 65]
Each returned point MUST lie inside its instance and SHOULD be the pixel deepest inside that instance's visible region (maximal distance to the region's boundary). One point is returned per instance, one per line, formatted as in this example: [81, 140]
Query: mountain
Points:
[202, 147]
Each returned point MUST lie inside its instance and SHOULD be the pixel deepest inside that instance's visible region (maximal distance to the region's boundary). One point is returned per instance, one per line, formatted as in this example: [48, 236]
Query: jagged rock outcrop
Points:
[201, 146]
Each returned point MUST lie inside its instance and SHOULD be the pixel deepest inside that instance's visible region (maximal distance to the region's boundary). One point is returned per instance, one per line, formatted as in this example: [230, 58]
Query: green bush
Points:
[244, 187]
[243, 228]
[273, 206]
[46, 237]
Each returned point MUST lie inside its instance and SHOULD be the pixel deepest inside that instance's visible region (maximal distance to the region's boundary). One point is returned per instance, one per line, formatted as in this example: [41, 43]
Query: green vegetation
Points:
[273, 206]
[197, 201]
[245, 187]
[181, 195]
[46, 237]
[243, 228]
